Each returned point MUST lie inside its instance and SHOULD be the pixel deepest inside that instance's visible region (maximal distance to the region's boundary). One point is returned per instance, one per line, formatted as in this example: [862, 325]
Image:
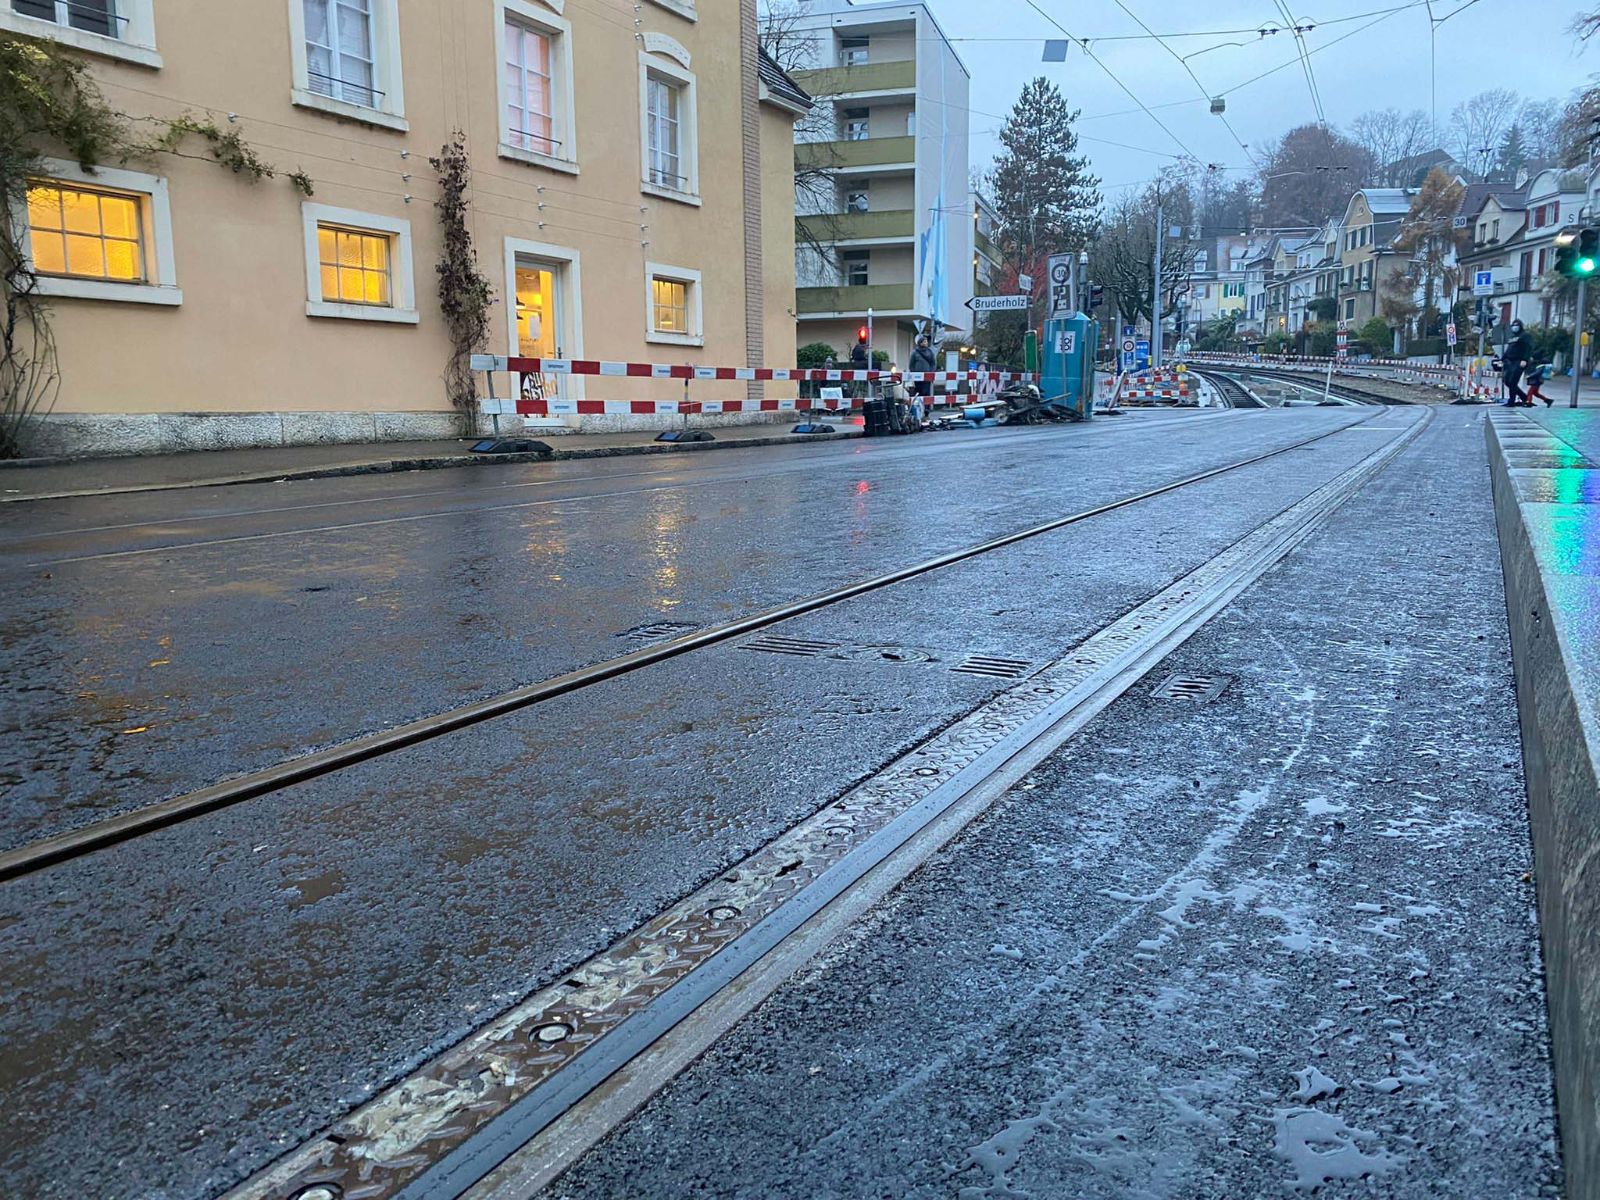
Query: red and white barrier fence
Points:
[547, 406]
[1156, 385]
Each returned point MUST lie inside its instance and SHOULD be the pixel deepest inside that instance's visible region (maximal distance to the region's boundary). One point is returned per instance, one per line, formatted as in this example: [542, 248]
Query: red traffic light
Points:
[861, 334]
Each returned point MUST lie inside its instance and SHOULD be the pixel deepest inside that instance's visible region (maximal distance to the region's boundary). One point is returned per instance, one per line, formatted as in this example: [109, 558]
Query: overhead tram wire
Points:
[1184, 63]
[1305, 63]
[1112, 75]
[1296, 61]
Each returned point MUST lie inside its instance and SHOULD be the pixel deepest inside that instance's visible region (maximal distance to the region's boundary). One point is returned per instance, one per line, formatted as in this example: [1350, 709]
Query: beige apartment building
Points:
[632, 199]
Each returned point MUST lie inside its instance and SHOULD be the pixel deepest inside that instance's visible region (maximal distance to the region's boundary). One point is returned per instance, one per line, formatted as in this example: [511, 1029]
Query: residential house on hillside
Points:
[1218, 290]
[1315, 278]
[1367, 255]
[1513, 237]
[1272, 261]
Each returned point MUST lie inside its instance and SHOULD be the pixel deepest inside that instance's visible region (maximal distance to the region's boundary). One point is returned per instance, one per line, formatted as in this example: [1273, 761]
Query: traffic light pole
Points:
[1577, 341]
[1155, 309]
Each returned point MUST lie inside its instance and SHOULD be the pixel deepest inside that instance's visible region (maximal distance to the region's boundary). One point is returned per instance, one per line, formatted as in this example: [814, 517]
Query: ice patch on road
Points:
[1320, 1148]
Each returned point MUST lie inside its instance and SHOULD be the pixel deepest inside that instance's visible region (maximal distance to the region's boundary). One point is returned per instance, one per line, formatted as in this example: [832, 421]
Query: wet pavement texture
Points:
[1281, 943]
[159, 643]
[268, 967]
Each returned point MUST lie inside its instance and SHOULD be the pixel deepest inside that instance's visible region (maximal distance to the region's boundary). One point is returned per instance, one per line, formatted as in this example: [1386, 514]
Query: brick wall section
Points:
[750, 129]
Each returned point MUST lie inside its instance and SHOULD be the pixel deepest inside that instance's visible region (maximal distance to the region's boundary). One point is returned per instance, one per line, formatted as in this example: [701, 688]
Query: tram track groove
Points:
[508, 1108]
[125, 827]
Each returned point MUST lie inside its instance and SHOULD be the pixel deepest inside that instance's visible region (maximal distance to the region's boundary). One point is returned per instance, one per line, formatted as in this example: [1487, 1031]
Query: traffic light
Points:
[1577, 253]
[1097, 295]
[861, 334]
[1588, 253]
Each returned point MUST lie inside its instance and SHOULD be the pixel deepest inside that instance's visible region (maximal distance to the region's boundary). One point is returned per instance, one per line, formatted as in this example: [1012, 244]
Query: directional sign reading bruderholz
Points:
[997, 303]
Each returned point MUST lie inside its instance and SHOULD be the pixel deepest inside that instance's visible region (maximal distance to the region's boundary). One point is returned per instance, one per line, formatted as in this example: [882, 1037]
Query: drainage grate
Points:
[657, 630]
[995, 668]
[1200, 689]
[774, 643]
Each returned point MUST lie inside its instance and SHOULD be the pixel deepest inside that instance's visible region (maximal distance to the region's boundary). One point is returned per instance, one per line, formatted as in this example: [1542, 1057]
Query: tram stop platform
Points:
[1545, 465]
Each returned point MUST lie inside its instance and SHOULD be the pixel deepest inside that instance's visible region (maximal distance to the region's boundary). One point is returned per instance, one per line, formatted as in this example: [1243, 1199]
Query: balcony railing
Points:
[857, 226]
[868, 152]
[985, 246]
[884, 297]
[870, 77]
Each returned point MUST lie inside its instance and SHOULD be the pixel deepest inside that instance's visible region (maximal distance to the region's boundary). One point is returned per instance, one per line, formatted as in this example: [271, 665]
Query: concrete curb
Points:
[1563, 781]
[437, 463]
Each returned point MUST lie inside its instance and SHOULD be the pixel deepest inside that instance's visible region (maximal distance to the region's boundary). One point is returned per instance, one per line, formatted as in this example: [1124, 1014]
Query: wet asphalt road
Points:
[157, 643]
[1281, 943]
[264, 969]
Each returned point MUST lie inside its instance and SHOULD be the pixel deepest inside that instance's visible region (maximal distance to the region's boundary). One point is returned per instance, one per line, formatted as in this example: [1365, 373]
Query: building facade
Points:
[1513, 234]
[631, 199]
[888, 227]
[1372, 220]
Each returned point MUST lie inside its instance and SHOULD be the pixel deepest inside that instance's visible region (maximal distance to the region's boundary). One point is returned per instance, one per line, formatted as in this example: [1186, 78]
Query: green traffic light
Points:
[1585, 266]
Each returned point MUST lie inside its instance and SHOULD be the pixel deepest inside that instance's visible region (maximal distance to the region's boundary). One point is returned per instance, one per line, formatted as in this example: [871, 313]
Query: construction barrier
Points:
[1157, 385]
[540, 406]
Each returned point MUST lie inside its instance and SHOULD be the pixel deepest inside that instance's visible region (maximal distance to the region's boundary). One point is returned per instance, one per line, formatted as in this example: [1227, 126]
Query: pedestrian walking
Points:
[1536, 376]
[1514, 361]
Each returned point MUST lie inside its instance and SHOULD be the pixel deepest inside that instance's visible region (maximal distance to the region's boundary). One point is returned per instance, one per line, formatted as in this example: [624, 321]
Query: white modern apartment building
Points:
[890, 228]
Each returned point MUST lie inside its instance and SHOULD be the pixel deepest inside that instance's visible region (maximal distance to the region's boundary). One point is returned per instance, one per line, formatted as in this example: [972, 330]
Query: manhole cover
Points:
[1198, 689]
[886, 654]
[775, 643]
[657, 630]
[993, 667]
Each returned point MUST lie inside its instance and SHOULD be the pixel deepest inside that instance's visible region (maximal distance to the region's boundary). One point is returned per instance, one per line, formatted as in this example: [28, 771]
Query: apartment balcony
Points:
[985, 246]
[882, 297]
[867, 152]
[858, 226]
[869, 77]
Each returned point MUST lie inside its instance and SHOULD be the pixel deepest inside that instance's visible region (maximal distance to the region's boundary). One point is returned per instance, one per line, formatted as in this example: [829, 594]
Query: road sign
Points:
[1025, 282]
[1483, 283]
[1127, 331]
[1141, 354]
[997, 303]
[1066, 341]
[1450, 334]
[1059, 301]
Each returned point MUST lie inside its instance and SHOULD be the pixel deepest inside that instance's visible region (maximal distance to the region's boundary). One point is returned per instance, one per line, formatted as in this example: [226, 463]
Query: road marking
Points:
[495, 1115]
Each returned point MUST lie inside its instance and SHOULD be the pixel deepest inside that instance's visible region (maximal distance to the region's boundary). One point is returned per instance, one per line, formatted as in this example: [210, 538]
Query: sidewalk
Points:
[213, 468]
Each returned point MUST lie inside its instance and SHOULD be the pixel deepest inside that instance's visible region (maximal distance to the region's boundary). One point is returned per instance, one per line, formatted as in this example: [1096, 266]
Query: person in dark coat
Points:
[1514, 360]
[859, 361]
[922, 359]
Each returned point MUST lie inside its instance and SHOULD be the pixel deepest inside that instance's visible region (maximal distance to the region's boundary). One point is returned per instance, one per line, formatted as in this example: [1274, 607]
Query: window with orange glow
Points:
[670, 299]
[355, 266]
[85, 233]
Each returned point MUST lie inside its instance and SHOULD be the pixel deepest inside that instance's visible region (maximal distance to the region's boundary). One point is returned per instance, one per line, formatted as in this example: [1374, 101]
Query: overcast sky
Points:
[1373, 61]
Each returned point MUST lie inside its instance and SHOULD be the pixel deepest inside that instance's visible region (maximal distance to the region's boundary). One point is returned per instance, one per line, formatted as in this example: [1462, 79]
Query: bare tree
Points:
[1540, 122]
[1391, 137]
[1309, 175]
[1478, 125]
[793, 46]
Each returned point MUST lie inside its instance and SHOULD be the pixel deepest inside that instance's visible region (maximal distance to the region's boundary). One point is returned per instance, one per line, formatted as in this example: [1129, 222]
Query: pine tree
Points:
[1512, 155]
[1042, 188]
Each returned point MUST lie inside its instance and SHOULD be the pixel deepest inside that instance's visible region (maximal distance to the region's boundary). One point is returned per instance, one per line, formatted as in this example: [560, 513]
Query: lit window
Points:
[663, 125]
[670, 304]
[339, 50]
[530, 107]
[355, 266]
[84, 233]
[91, 16]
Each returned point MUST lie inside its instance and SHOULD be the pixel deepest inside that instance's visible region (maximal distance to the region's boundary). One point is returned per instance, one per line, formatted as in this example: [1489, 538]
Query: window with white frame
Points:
[853, 51]
[347, 59]
[668, 132]
[536, 104]
[672, 301]
[857, 266]
[358, 265]
[106, 236]
[664, 124]
[122, 29]
[856, 125]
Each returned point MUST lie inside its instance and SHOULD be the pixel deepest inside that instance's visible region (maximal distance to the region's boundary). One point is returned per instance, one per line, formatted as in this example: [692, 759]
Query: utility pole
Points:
[1577, 341]
[1155, 308]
